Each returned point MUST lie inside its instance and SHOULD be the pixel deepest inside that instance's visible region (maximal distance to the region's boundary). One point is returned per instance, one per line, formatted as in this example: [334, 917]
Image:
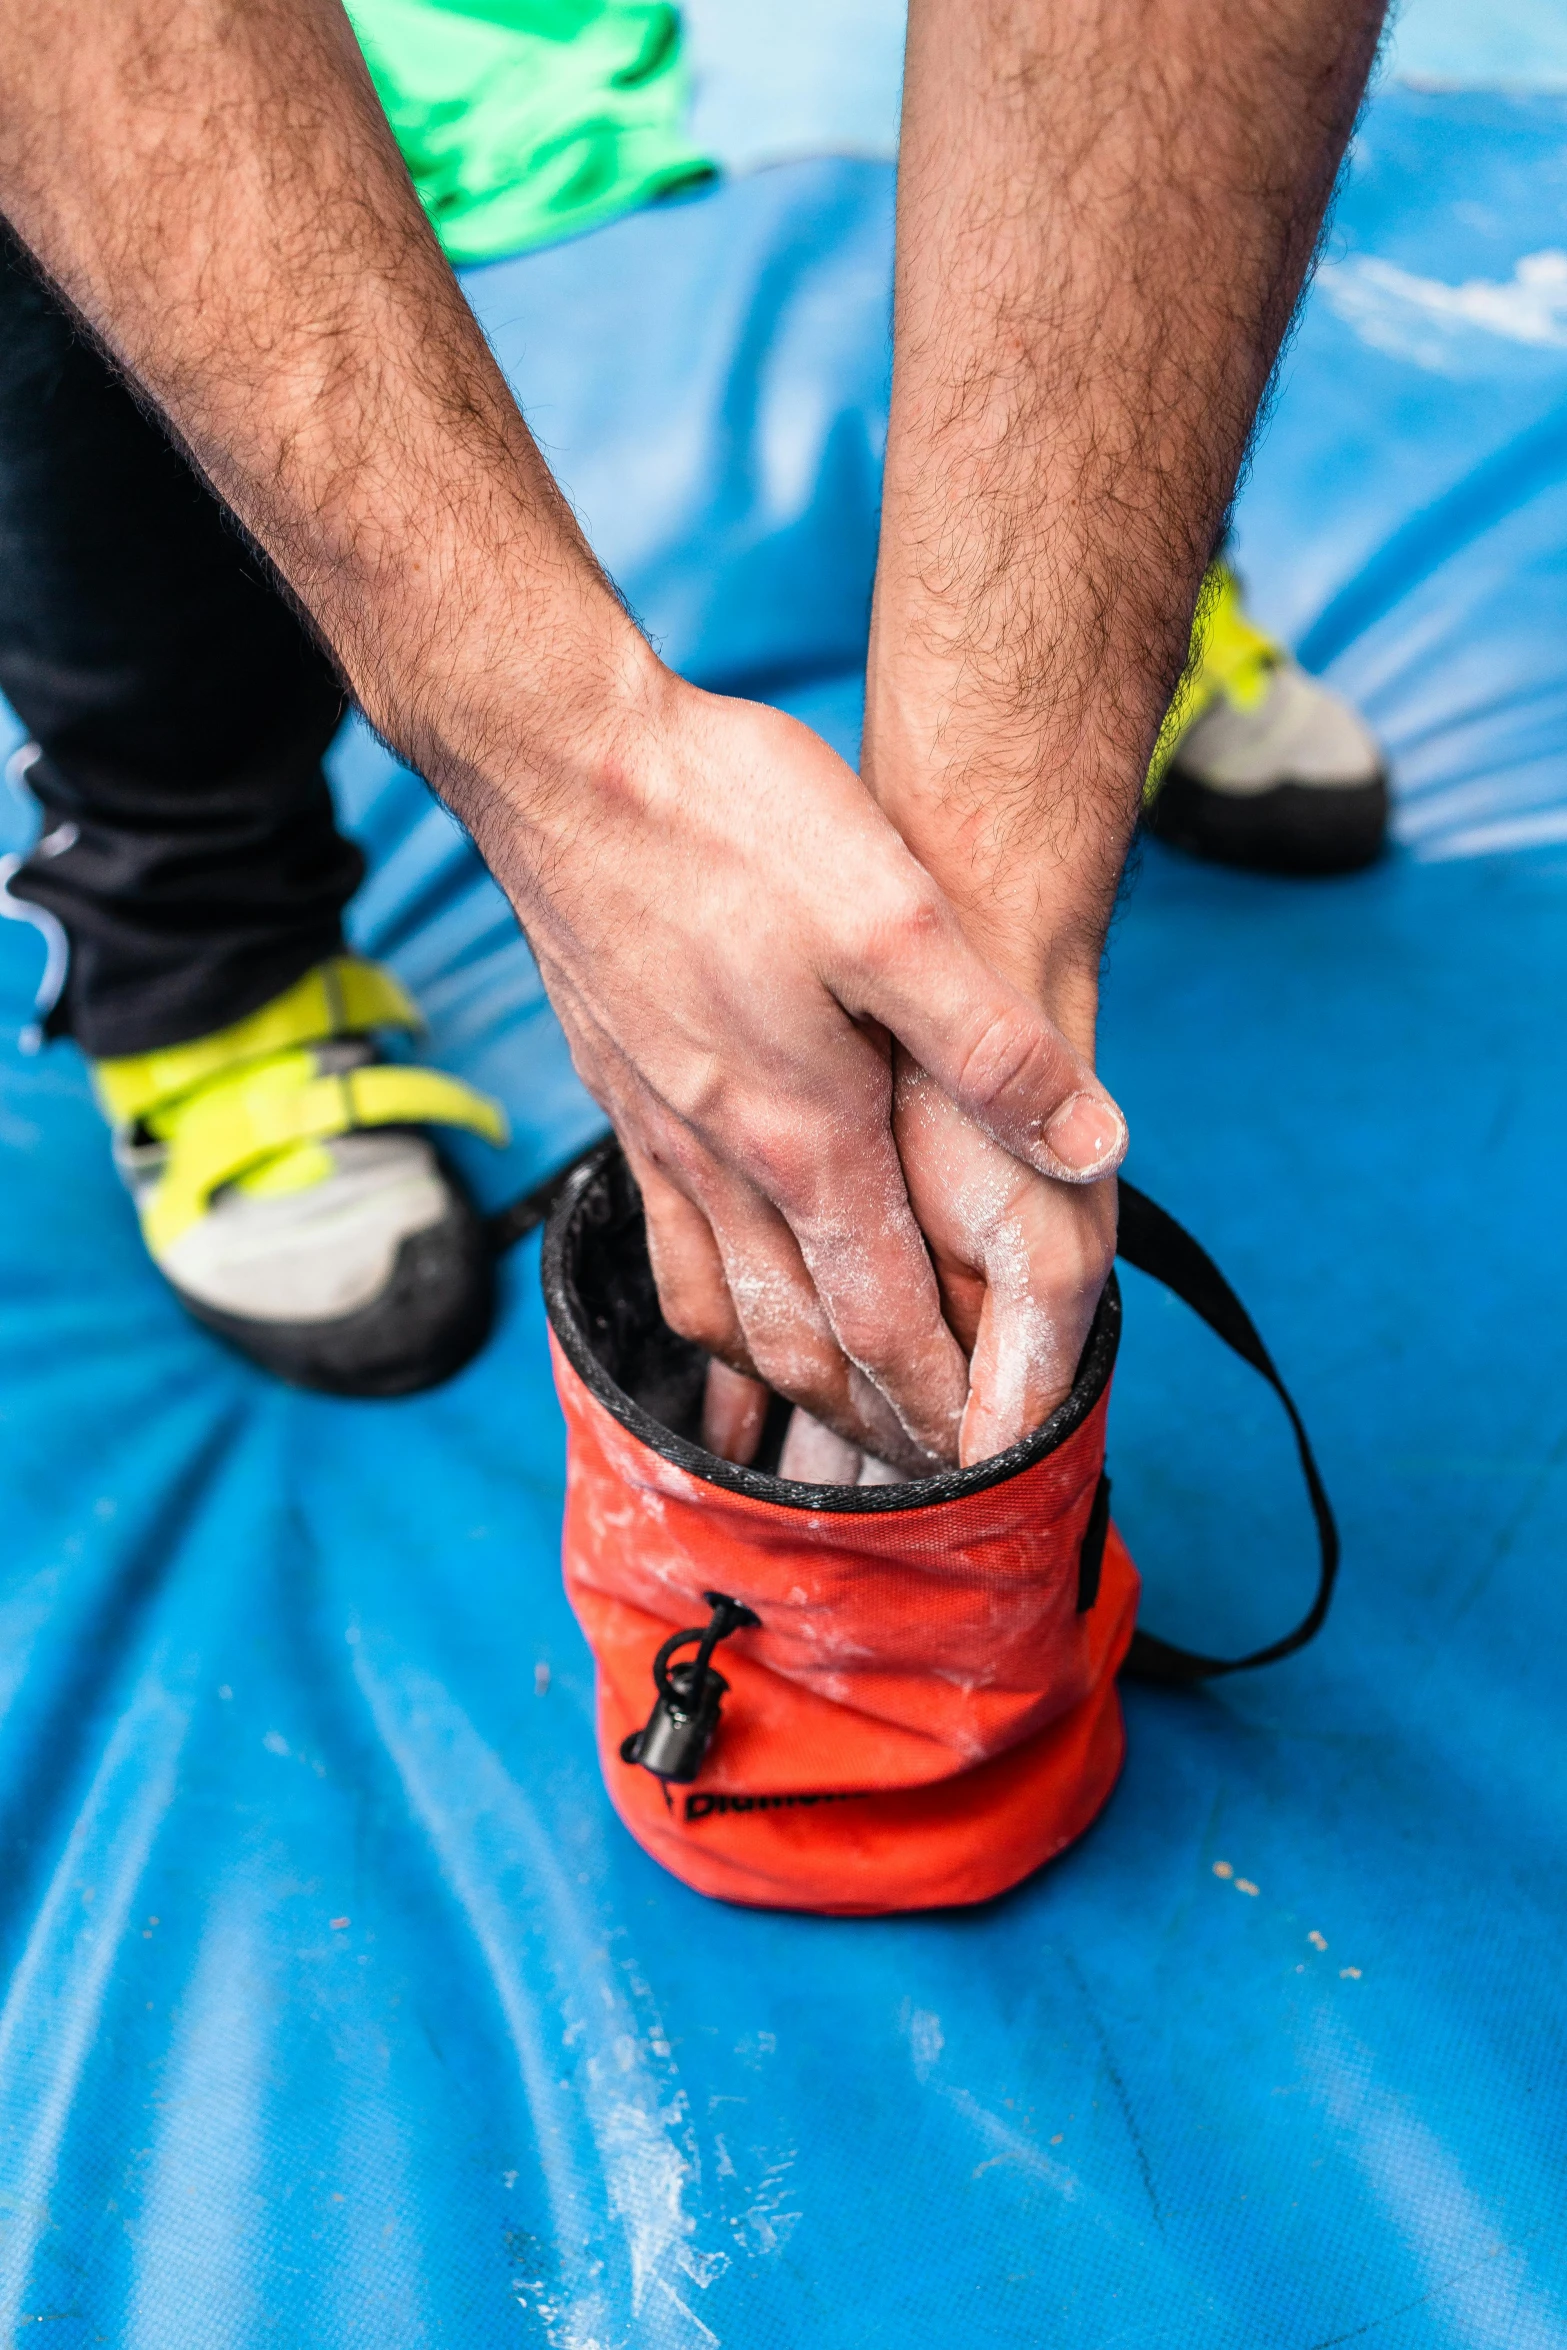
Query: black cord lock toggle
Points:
[680, 1728]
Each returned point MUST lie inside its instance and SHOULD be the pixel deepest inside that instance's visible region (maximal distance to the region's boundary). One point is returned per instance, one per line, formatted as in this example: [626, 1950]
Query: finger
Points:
[996, 1054]
[731, 1277]
[1045, 1266]
[786, 1316]
[838, 1184]
[878, 1289]
[1024, 1258]
[814, 1455]
[687, 1266]
[734, 1412]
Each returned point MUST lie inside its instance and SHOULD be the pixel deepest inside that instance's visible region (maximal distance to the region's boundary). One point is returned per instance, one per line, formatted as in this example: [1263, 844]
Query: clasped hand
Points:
[874, 1171]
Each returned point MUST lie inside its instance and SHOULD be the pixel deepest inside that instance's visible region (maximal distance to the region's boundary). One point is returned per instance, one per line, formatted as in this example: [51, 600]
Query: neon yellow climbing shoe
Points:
[287, 1192]
[1258, 764]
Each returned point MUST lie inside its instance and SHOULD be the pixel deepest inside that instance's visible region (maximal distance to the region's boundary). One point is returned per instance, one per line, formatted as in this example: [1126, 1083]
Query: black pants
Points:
[180, 708]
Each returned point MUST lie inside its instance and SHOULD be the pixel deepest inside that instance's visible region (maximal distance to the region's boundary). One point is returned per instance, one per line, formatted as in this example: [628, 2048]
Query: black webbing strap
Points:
[1156, 1244]
[521, 1216]
[1091, 1550]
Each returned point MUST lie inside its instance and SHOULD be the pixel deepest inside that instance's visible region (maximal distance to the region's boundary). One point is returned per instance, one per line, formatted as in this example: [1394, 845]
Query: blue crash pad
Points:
[339, 2010]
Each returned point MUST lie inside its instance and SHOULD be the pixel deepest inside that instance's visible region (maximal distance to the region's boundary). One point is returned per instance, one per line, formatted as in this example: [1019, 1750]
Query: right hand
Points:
[733, 935]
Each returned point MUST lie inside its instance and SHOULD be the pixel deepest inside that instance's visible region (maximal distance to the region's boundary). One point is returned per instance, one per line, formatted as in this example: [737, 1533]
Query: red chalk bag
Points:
[850, 1699]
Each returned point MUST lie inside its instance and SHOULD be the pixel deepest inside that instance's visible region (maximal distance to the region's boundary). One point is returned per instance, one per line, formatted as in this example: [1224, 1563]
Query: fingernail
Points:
[1086, 1137]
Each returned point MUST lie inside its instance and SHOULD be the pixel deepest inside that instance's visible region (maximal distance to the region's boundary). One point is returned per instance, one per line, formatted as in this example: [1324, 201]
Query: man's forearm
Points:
[1106, 209]
[1106, 212]
[214, 186]
[728, 927]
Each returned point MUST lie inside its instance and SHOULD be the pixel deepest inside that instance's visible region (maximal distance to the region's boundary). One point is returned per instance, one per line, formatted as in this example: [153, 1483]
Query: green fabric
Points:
[523, 121]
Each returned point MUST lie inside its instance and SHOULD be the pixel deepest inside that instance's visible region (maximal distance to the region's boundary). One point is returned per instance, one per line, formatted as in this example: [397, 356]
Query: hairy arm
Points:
[1107, 209]
[729, 928]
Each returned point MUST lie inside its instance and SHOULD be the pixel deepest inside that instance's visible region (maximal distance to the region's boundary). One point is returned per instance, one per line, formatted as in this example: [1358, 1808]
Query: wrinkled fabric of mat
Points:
[339, 2011]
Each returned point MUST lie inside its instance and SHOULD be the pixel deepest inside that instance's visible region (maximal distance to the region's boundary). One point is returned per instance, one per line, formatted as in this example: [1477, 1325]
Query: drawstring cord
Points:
[681, 1727]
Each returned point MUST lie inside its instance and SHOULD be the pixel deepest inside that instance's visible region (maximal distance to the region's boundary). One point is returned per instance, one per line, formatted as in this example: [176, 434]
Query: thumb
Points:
[989, 1049]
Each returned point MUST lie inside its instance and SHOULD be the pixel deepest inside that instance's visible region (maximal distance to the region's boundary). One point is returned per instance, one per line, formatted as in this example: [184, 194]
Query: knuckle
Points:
[896, 922]
[874, 1337]
[658, 1140]
[728, 1135]
[702, 1317]
[804, 1368]
[1011, 1053]
[693, 1100]
[782, 1160]
[886, 1332]
[1072, 1269]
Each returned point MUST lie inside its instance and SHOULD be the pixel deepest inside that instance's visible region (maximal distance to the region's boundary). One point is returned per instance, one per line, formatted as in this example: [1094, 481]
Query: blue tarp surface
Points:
[338, 2009]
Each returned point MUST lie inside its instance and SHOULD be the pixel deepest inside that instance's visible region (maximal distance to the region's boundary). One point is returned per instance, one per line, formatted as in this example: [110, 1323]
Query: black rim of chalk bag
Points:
[598, 1188]
[1148, 1239]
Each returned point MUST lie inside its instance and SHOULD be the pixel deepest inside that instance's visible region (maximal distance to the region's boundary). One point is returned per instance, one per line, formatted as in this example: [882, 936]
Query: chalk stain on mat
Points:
[1012, 2147]
[54, 2004]
[927, 2043]
[765, 2226]
[608, 2124]
[759, 2224]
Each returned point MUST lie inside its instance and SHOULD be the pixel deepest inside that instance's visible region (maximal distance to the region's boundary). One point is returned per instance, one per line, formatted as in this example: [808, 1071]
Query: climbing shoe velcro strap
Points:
[344, 996]
[236, 1127]
[1229, 655]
